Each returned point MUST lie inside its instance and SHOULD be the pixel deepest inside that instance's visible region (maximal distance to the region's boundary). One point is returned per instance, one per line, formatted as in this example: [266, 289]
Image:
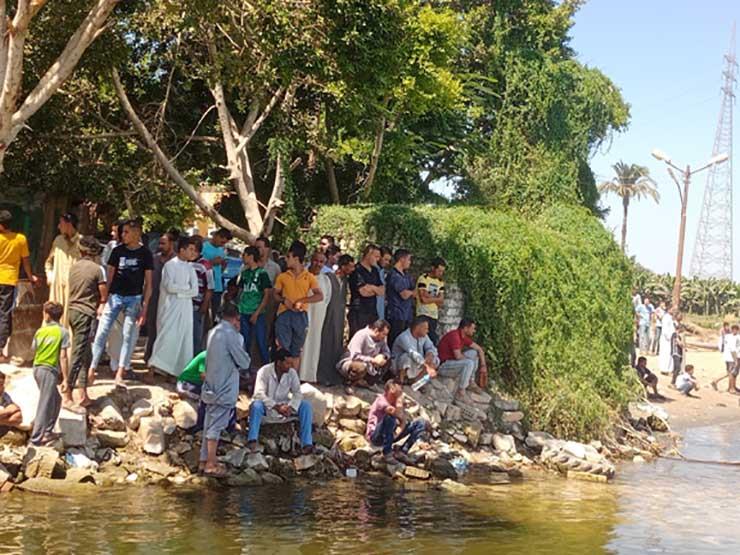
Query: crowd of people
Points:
[316, 316]
[659, 331]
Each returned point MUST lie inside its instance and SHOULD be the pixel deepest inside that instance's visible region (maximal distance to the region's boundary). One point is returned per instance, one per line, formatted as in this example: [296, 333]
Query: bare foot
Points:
[91, 376]
[214, 471]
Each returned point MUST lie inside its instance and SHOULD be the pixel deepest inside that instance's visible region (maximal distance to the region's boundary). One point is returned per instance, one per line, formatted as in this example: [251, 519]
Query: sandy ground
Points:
[708, 406]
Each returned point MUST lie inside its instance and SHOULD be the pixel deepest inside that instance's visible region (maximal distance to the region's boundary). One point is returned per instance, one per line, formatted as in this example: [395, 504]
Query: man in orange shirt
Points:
[13, 253]
[293, 291]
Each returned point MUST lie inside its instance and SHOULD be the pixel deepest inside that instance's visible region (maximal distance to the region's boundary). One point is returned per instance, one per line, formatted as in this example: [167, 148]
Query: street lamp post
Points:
[684, 196]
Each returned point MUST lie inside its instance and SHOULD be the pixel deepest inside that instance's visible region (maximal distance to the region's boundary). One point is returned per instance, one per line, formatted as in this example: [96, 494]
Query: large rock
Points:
[109, 438]
[14, 438]
[537, 440]
[505, 404]
[510, 417]
[139, 410]
[25, 393]
[109, 416]
[442, 469]
[504, 442]
[185, 414]
[42, 462]
[73, 428]
[353, 425]
[455, 487]
[348, 406]
[159, 468]
[247, 477]
[318, 403]
[152, 435]
[304, 462]
[59, 488]
[473, 431]
[80, 475]
[236, 457]
[257, 461]
[349, 441]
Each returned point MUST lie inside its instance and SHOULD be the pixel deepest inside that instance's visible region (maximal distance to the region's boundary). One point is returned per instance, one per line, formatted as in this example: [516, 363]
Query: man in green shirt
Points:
[51, 353]
[256, 287]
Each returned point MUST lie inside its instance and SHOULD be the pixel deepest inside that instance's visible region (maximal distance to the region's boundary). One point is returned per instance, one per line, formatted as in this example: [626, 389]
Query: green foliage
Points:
[551, 295]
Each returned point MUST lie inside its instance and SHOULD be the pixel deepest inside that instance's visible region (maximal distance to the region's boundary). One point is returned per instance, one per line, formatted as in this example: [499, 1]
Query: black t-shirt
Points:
[362, 276]
[130, 266]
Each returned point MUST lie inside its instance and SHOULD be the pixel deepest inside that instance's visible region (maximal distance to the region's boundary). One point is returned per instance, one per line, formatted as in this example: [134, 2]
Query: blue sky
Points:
[666, 56]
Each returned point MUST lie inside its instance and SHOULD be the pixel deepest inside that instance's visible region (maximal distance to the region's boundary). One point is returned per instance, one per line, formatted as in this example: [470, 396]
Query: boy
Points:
[386, 413]
[225, 356]
[256, 290]
[685, 382]
[88, 294]
[51, 352]
[294, 290]
[647, 378]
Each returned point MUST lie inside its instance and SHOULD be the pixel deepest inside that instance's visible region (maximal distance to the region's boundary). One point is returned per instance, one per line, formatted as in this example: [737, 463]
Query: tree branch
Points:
[276, 198]
[248, 132]
[175, 175]
[65, 64]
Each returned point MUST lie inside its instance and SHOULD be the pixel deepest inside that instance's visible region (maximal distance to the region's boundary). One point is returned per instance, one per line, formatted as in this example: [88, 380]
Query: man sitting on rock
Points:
[647, 378]
[461, 357]
[386, 413]
[225, 356]
[414, 355]
[277, 393]
[10, 413]
[367, 356]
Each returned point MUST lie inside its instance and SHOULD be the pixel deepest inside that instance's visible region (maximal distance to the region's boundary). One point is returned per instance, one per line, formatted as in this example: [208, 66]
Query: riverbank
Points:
[706, 407]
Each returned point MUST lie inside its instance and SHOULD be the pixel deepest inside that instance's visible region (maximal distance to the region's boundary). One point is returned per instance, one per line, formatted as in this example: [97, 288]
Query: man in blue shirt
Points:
[399, 291]
[215, 253]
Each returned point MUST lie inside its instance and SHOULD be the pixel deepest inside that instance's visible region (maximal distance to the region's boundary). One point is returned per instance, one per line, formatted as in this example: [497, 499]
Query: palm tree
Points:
[631, 181]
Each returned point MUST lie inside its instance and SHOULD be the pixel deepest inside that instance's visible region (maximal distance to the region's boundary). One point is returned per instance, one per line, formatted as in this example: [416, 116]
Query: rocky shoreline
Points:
[140, 435]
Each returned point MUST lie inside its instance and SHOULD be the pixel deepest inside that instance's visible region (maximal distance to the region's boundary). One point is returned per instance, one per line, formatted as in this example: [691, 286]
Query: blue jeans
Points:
[131, 307]
[385, 431]
[290, 331]
[258, 331]
[257, 411]
[198, 319]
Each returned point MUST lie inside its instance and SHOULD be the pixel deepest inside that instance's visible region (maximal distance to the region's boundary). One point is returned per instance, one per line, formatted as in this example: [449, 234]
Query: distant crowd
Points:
[317, 316]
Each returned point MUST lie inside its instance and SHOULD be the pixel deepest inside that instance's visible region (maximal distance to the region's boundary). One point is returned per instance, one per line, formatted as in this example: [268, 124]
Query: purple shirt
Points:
[377, 413]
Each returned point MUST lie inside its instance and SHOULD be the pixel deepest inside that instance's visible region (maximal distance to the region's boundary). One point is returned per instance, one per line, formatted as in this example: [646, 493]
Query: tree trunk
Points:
[331, 179]
[276, 199]
[625, 205]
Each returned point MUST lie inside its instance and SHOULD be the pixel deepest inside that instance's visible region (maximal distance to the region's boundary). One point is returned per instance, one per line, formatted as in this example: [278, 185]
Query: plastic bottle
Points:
[416, 386]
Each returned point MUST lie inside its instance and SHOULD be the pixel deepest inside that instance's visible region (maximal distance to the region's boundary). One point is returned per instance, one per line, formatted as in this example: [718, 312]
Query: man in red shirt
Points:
[461, 357]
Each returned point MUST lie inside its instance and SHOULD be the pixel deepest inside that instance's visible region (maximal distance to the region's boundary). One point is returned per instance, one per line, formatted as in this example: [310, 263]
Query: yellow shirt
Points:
[13, 249]
[294, 287]
[434, 287]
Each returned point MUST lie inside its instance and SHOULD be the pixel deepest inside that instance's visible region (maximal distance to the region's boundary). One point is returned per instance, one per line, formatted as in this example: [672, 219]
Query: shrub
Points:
[551, 295]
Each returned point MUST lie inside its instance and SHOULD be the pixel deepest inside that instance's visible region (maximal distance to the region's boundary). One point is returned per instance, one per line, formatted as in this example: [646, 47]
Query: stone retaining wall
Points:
[452, 310]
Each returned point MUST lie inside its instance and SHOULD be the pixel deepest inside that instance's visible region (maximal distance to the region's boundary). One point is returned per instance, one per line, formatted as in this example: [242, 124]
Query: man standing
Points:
[271, 267]
[129, 278]
[277, 392]
[13, 253]
[166, 252]
[332, 336]
[325, 242]
[202, 301]
[65, 250]
[658, 315]
[225, 356]
[461, 357]
[414, 354]
[87, 297]
[308, 370]
[430, 291]
[384, 265]
[643, 326]
[665, 359]
[332, 254]
[215, 253]
[365, 285]
[255, 296]
[173, 348]
[294, 290]
[399, 291]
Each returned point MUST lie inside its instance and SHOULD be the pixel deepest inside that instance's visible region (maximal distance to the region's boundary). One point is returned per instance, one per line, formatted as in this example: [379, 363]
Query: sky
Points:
[667, 57]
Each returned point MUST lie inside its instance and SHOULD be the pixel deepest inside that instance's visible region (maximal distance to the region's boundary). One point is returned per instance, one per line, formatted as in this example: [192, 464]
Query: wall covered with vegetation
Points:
[551, 294]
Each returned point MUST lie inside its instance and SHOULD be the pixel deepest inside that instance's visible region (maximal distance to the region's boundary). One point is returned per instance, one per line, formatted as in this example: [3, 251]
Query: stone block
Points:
[473, 431]
[152, 435]
[504, 442]
[235, 457]
[109, 416]
[80, 476]
[110, 438]
[352, 425]
[349, 441]
[73, 428]
[417, 473]
[41, 462]
[585, 476]
[453, 413]
[537, 440]
[505, 404]
[442, 469]
[304, 462]
[485, 440]
[348, 406]
[318, 403]
[185, 413]
[510, 417]
[257, 461]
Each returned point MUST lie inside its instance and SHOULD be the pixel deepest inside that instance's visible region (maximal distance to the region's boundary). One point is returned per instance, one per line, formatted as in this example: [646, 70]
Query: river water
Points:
[663, 507]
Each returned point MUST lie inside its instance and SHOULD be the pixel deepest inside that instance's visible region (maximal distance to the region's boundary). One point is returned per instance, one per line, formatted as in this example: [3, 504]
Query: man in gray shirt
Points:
[225, 355]
[414, 354]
